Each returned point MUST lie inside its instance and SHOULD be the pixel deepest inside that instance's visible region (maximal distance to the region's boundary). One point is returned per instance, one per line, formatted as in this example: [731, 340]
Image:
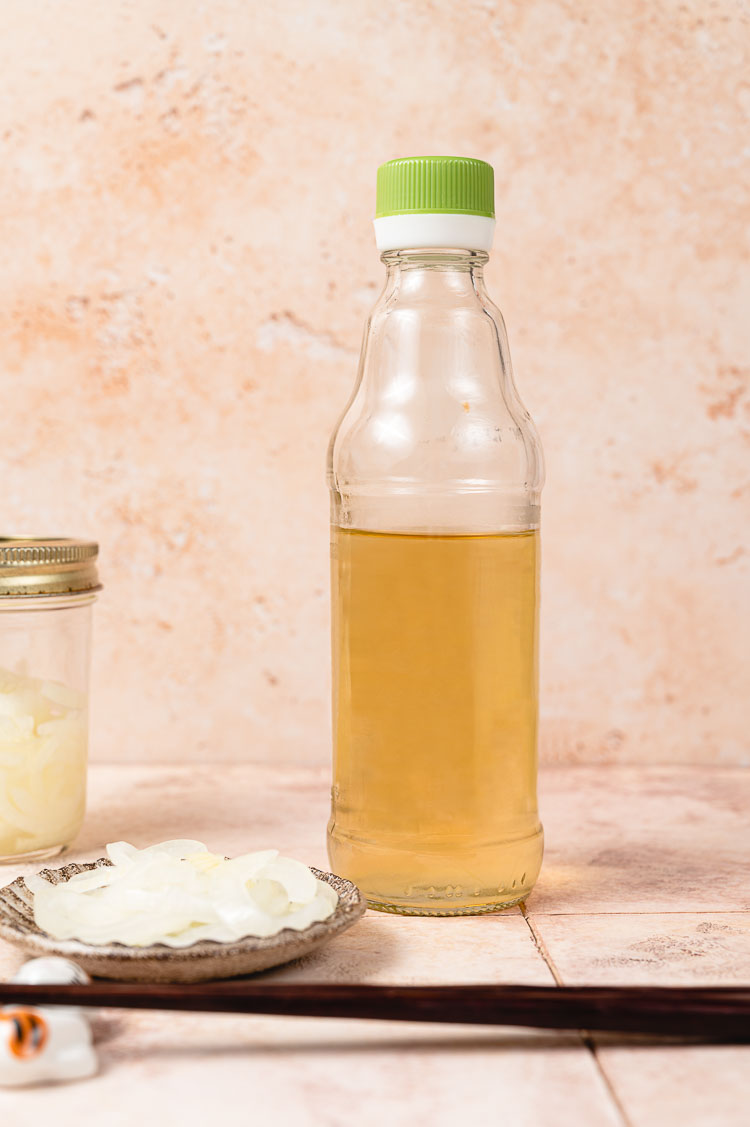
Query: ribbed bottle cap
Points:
[435, 185]
[31, 565]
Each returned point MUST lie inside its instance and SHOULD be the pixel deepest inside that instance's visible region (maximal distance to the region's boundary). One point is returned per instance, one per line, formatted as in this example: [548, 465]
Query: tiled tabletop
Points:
[646, 879]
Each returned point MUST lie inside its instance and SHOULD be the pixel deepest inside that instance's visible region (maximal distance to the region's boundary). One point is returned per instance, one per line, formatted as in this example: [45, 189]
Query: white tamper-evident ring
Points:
[434, 229]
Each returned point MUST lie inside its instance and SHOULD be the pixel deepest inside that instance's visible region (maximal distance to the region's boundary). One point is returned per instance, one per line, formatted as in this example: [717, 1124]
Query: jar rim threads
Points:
[47, 565]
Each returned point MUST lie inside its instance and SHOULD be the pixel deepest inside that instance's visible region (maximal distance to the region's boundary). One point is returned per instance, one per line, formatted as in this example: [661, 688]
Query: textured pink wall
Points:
[187, 261]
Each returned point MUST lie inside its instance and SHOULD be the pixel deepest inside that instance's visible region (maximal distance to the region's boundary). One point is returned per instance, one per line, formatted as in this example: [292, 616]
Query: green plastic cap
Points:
[455, 185]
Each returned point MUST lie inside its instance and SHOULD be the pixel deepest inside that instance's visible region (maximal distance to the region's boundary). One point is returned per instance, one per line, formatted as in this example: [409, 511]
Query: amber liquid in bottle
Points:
[435, 716]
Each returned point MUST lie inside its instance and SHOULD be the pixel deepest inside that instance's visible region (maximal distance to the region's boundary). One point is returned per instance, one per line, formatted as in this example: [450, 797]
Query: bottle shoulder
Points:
[435, 404]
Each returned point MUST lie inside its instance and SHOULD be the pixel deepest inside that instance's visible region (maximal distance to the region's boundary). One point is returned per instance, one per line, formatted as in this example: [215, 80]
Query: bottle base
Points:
[456, 880]
[482, 909]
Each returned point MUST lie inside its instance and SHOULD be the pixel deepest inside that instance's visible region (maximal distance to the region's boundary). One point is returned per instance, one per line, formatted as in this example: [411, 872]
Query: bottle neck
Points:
[439, 258]
[435, 273]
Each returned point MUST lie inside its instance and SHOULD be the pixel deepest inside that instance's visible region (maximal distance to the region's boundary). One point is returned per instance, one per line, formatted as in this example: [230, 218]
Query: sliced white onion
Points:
[178, 848]
[43, 743]
[177, 893]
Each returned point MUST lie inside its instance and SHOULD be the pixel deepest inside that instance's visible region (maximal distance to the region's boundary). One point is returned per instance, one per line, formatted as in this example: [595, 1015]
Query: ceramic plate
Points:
[158, 963]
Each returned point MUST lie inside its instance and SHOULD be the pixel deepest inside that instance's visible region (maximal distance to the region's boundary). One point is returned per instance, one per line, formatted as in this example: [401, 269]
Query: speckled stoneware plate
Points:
[158, 963]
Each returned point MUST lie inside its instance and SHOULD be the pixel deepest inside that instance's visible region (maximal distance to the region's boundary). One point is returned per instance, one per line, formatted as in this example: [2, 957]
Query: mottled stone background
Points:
[187, 260]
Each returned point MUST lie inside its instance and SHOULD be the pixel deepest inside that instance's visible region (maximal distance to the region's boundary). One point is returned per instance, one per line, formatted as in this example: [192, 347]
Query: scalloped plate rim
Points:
[205, 959]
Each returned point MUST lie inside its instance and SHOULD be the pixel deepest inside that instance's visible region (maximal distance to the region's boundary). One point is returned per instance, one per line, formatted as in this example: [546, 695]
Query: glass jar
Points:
[435, 471]
[47, 588]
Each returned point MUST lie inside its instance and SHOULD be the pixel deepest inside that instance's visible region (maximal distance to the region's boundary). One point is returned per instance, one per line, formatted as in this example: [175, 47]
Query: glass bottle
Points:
[47, 589]
[435, 471]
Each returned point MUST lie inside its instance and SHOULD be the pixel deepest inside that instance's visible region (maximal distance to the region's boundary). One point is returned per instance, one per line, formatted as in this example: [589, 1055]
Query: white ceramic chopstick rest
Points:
[43, 1044]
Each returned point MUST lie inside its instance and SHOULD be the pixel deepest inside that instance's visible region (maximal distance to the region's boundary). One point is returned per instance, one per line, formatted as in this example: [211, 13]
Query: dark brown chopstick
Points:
[720, 1013]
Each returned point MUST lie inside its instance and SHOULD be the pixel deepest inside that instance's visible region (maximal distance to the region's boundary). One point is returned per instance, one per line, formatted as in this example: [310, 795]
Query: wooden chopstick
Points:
[711, 1013]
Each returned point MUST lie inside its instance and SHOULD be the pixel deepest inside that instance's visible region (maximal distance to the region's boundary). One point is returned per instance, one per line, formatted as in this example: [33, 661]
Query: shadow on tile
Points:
[353, 1045]
[360, 1043]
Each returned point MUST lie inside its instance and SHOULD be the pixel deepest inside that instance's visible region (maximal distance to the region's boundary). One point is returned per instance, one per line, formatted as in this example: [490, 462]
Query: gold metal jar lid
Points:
[47, 565]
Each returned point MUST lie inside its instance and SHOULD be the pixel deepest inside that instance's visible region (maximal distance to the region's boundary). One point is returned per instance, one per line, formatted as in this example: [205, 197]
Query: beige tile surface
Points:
[677, 949]
[230, 807]
[188, 1071]
[172, 1070]
[659, 1085]
[178, 1070]
[408, 950]
[688, 1086]
[642, 839]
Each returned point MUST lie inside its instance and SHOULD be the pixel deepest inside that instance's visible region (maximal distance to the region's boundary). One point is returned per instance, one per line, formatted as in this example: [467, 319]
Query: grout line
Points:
[653, 912]
[541, 945]
[587, 1041]
[590, 1044]
[638, 765]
